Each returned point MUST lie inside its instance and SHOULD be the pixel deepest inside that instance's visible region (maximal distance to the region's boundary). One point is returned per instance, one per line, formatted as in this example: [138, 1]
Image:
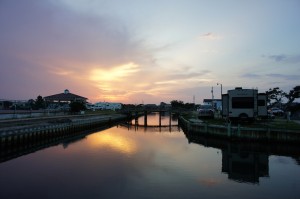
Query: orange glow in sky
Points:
[181, 50]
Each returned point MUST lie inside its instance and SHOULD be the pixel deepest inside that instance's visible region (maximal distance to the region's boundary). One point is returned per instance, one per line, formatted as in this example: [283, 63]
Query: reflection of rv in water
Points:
[244, 104]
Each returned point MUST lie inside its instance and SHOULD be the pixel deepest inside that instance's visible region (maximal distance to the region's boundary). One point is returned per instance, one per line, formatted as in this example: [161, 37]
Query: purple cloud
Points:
[284, 58]
[250, 75]
[41, 40]
[278, 58]
[283, 76]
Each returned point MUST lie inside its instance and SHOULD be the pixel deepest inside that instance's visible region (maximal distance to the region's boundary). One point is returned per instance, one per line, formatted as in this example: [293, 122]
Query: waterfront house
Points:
[66, 96]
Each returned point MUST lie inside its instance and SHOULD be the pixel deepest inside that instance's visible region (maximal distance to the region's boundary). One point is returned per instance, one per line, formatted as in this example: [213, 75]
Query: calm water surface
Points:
[137, 162]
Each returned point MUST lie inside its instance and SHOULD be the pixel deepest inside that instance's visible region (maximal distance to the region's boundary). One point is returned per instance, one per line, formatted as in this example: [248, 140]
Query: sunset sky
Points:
[140, 51]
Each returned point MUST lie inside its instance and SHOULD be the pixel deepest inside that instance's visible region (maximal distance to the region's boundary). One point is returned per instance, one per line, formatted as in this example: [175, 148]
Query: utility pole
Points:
[221, 89]
[212, 96]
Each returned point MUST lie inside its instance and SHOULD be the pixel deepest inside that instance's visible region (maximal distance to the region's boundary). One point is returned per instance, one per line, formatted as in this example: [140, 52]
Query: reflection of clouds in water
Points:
[113, 141]
[282, 160]
[209, 182]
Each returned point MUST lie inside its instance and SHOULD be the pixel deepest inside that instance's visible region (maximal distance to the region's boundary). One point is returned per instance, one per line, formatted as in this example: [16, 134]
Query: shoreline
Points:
[27, 131]
[21, 123]
[267, 134]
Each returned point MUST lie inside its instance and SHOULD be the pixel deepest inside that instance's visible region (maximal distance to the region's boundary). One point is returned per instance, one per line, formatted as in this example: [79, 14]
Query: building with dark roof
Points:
[66, 96]
[216, 103]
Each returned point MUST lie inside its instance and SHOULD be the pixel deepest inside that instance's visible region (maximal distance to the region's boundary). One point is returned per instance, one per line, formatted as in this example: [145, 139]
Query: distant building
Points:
[164, 105]
[150, 106]
[107, 106]
[66, 96]
[216, 103]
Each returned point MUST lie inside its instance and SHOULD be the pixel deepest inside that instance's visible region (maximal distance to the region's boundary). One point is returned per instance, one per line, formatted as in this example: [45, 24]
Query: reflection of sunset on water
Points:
[153, 119]
[210, 182]
[114, 141]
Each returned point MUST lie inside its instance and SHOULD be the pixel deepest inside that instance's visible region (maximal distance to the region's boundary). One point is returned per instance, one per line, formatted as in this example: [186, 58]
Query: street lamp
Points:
[221, 89]
[221, 101]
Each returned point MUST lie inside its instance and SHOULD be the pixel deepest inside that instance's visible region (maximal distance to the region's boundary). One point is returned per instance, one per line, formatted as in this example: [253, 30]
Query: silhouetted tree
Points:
[275, 96]
[77, 106]
[31, 103]
[39, 102]
[189, 105]
[293, 94]
[7, 104]
[177, 104]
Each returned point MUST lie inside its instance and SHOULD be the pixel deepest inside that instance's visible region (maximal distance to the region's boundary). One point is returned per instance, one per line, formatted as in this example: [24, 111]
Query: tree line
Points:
[276, 96]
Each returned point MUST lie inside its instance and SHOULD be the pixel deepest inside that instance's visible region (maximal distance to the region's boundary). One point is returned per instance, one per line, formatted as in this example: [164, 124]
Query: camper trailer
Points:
[244, 104]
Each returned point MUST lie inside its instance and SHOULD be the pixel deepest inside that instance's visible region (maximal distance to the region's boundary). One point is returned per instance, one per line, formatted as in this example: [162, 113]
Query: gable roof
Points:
[65, 97]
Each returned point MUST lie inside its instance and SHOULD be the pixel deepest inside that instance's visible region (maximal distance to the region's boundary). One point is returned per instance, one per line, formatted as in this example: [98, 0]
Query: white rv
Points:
[244, 104]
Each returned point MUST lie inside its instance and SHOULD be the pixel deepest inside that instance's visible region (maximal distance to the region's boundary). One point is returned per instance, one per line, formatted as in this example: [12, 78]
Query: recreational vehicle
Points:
[244, 104]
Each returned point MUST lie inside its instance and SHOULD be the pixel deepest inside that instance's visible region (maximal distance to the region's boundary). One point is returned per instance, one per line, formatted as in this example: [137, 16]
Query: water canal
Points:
[153, 162]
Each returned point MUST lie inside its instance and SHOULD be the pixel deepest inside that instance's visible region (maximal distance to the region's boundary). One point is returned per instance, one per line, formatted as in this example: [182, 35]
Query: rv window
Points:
[242, 102]
[261, 103]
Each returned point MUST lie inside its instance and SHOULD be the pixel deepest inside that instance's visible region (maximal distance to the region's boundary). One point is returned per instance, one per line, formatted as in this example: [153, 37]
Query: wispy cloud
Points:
[61, 71]
[284, 58]
[189, 75]
[284, 76]
[209, 36]
[117, 73]
[60, 46]
[278, 58]
[274, 76]
[250, 75]
[100, 51]
[295, 59]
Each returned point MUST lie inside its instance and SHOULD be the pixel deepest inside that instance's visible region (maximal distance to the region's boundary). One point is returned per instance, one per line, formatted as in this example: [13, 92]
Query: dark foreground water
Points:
[134, 162]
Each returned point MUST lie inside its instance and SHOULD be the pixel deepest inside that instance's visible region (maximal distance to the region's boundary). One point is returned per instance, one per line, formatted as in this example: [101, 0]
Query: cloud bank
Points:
[47, 46]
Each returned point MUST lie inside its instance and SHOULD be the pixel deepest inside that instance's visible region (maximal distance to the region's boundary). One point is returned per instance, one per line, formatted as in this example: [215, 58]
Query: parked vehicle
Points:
[277, 111]
[270, 115]
[206, 111]
[244, 104]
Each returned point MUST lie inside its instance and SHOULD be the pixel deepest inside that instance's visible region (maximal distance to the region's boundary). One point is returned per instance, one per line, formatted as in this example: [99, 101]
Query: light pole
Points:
[212, 93]
[221, 89]
[221, 100]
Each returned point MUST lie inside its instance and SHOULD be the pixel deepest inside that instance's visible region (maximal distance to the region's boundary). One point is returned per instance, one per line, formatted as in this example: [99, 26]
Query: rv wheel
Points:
[243, 116]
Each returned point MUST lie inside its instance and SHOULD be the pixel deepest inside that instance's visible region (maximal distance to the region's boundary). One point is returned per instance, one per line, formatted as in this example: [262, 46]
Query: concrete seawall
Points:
[15, 135]
[237, 132]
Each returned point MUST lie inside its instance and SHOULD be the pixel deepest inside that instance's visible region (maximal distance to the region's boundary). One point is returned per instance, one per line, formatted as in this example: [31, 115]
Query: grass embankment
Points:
[277, 123]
